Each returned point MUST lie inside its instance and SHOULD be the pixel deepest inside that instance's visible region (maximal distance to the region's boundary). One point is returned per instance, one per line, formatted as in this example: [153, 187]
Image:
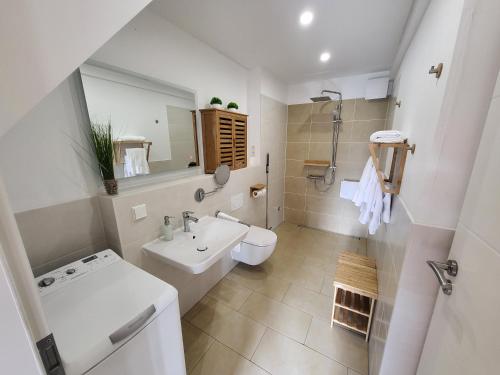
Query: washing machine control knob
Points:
[47, 281]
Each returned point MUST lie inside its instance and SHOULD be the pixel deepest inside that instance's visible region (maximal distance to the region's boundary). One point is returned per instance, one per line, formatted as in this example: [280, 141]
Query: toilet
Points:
[256, 247]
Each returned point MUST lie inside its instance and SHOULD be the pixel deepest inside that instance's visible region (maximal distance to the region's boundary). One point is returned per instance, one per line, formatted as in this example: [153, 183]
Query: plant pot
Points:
[232, 109]
[216, 106]
[111, 186]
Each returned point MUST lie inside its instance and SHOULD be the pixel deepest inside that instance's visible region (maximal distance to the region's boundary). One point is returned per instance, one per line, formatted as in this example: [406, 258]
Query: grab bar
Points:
[132, 326]
[451, 267]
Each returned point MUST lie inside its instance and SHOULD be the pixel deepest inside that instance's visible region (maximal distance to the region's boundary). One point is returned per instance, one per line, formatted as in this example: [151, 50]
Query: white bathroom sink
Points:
[194, 252]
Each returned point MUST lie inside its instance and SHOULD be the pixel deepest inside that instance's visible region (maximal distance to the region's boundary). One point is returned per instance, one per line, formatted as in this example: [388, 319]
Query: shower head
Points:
[326, 98]
[321, 99]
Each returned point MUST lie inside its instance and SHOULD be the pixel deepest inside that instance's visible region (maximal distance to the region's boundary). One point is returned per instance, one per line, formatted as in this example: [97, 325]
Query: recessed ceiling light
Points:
[324, 57]
[306, 18]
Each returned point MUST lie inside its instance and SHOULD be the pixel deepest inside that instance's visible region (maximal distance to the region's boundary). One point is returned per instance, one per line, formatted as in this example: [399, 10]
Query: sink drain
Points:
[205, 248]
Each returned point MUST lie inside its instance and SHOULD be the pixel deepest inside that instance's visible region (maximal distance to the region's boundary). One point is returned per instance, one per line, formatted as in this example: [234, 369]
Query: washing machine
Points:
[109, 317]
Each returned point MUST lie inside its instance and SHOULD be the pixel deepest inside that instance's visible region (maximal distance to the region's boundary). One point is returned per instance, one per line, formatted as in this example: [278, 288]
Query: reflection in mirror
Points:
[153, 123]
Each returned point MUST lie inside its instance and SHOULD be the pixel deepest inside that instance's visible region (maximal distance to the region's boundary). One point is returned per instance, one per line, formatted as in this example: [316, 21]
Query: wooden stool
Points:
[355, 292]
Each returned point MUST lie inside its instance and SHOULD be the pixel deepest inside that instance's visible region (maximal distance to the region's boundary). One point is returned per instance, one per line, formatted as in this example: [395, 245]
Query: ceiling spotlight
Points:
[324, 57]
[306, 18]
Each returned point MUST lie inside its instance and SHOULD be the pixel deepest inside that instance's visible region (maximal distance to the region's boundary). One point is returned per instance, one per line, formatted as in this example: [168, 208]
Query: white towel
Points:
[373, 203]
[130, 138]
[387, 136]
[135, 162]
[348, 189]
[386, 213]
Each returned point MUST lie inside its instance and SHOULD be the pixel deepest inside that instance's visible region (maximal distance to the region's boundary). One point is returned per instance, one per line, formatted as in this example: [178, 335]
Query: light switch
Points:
[139, 212]
[236, 201]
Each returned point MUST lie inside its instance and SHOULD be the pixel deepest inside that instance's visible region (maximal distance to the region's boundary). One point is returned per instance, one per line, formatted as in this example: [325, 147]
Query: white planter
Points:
[216, 106]
[232, 109]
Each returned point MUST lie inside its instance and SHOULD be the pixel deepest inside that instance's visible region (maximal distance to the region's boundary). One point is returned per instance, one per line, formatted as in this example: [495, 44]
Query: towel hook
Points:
[437, 70]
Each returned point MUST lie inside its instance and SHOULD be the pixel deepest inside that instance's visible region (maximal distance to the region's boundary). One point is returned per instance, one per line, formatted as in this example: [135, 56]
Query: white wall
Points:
[41, 43]
[42, 159]
[352, 87]
[17, 351]
[445, 117]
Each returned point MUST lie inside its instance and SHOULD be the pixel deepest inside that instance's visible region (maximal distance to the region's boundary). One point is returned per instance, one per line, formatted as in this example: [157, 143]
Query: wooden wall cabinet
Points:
[224, 139]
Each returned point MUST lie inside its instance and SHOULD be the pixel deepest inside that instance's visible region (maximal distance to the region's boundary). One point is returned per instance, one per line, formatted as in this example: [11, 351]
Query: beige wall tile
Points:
[321, 132]
[361, 130]
[294, 216]
[299, 113]
[320, 151]
[297, 150]
[331, 206]
[56, 235]
[298, 132]
[371, 109]
[345, 131]
[295, 201]
[358, 152]
[295, 185]
[348, 108]
[295, 168]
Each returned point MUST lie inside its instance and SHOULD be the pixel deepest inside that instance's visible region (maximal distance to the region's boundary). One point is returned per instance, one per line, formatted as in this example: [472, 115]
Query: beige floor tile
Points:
[327, 288]
[343, 346]
[220, 360]
[278, 316]
[230, 292]
[315, 304]
[278, 355]
[229, 327]
[259, 281]
[196, 344]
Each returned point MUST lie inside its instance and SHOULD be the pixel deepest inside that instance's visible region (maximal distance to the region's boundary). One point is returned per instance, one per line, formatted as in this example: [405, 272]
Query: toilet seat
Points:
[260, 237]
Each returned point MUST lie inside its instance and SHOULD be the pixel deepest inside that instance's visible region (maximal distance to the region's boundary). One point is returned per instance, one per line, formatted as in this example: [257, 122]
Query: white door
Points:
[464, 334]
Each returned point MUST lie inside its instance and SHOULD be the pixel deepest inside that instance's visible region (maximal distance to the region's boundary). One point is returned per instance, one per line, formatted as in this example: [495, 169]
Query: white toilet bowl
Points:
[256, 247]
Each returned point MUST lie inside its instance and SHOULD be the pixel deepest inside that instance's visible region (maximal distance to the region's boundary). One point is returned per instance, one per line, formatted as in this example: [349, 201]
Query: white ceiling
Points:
[361, 35]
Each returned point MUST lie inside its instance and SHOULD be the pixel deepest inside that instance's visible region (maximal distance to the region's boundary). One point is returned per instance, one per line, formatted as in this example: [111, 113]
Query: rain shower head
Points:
[321, 99]
[326, 98]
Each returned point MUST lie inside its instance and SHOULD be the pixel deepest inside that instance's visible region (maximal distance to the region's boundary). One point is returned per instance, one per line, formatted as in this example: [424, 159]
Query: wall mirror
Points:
[153, 123]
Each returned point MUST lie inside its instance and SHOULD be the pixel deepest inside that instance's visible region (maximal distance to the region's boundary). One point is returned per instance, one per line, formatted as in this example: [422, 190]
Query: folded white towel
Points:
[135, 162]
[348, 189]
[130, 138]
[363, 183]
[387, 136]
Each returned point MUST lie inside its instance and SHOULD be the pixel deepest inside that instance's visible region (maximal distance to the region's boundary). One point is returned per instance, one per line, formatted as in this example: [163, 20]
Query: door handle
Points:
[451, 267]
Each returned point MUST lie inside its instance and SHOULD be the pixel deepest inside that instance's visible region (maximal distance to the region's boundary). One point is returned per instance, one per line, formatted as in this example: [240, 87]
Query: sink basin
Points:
[194, 252]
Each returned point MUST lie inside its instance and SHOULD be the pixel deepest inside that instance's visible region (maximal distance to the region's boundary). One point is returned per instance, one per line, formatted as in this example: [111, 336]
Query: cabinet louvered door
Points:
[240, 141]
[225, 141]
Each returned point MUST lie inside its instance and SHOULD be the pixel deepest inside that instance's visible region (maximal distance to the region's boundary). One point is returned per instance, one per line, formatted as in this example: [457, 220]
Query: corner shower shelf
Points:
[355, 292]
[317, 163]
[392, 184]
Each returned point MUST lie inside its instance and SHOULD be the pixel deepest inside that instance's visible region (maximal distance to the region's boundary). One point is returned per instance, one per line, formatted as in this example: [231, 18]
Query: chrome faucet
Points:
[186, 217]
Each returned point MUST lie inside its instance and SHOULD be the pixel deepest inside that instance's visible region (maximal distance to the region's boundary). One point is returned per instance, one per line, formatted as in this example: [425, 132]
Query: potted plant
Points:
[101, 138]
[232, 106]
[216, 103]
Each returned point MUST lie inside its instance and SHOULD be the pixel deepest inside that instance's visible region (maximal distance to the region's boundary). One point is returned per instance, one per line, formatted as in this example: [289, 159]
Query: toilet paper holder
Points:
[256, 187]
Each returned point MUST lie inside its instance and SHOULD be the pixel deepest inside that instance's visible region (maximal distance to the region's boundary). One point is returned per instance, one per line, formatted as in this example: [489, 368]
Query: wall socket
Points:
[139, 212]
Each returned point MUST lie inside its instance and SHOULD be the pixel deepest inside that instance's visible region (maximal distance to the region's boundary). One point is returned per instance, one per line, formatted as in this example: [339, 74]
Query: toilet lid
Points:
[260, 237]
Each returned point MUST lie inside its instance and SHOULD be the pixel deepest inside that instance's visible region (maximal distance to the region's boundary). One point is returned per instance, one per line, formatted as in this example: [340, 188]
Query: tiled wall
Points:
[309, 136]
[56, 235]
[407, 290]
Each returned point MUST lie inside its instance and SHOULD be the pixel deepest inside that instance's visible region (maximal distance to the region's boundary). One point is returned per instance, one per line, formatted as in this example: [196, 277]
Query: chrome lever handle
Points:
[451, 267]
